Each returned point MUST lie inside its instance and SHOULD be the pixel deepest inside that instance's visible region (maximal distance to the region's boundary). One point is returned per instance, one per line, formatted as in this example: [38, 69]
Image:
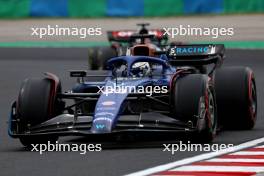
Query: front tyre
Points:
[194, 101]
[36, 104]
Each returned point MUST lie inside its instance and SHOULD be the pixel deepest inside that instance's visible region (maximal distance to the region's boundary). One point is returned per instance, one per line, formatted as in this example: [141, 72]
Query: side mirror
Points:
[78, 73]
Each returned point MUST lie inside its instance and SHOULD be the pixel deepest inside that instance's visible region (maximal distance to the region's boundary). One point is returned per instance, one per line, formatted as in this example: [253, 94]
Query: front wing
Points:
[68, 124]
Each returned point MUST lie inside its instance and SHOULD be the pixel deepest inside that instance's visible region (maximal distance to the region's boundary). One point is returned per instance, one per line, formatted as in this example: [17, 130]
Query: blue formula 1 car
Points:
[183, 89]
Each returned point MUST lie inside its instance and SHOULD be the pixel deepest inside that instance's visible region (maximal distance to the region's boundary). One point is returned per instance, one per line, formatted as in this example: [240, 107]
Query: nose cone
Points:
[107, 112]
[109, 106]
[102, 125]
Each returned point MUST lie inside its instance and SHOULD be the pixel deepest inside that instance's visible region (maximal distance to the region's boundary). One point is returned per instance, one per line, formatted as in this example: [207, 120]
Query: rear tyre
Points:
[236, 97]
[194, 101]
[35, 105]
[98, 57]
[92, 58]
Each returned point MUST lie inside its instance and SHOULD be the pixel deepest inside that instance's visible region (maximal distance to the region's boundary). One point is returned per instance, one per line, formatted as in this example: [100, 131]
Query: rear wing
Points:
[197, 54]
[124, 35]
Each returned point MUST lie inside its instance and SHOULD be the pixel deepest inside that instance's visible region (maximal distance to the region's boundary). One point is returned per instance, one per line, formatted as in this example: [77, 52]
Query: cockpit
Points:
[137, 69]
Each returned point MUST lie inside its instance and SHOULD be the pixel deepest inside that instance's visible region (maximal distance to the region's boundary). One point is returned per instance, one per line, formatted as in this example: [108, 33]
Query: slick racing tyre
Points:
[36, 105]
[99, 56]
[194, 102]
[93, 61]
[236, 97]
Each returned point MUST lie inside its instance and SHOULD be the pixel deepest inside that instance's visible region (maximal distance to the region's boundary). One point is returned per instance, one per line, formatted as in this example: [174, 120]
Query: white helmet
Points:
[141, 69]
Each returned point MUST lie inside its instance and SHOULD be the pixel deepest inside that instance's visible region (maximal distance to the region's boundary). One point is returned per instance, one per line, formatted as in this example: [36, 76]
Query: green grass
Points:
[228, 44]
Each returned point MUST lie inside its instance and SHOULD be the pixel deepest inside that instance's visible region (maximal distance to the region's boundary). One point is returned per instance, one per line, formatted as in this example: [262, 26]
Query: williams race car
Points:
[141, 94]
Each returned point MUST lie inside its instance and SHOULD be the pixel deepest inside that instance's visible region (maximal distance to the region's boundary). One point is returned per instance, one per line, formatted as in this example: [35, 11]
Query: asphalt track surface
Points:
[116, 158]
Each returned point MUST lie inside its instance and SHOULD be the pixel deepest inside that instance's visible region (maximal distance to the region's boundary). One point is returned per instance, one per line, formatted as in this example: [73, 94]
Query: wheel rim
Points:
[202, 108]
[253, 102]
[211, 110]
[207, 117]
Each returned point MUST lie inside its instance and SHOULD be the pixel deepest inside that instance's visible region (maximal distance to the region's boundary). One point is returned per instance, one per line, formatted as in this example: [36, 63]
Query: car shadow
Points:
[130, 142]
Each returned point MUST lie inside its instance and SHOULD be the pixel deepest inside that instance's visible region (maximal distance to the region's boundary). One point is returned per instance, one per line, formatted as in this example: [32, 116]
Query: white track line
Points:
[228, 160]
[261, 146]
[201, 157]
[220, 169]
[247, 153]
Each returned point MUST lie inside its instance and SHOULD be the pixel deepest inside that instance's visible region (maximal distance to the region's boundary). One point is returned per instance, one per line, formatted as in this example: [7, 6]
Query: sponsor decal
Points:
[105, 108]
[99, 126]
[189, 50]
[125, 34]
[212, 50]
[103, 119]
[104, 114]
[108, 103]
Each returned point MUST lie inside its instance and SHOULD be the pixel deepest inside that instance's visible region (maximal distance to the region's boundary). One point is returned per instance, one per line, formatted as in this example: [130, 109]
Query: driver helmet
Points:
[141, 69]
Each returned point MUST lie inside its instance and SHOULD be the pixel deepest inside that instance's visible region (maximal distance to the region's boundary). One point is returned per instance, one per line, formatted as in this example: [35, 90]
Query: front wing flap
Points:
[68, 124]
